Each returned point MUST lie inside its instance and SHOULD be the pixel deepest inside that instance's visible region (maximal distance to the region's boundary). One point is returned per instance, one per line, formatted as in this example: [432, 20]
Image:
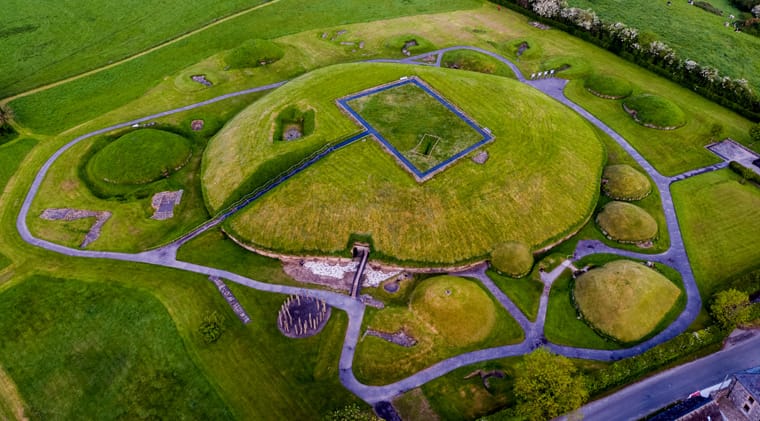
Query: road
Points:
[649, 395]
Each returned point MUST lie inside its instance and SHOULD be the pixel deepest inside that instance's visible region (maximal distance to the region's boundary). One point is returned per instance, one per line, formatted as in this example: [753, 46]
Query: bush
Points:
[628, 370]
[744, 172]
[708, 7]
[211, 327]
[754, 132]
[253, 53]
[512, 258]
[730, 308]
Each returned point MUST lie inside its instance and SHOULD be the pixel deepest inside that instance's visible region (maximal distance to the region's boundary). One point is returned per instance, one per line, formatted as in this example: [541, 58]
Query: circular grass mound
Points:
[624, 299]
[654, 111]
[623, 182]
[456, 216]
[626, 223]
[609, 87]
[253, 53]
[457, 309]
[568, 67]
[140, 157]
[512, 258]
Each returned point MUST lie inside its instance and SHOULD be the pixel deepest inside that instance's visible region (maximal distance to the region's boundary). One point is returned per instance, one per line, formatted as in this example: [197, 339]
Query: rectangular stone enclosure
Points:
[422, 130]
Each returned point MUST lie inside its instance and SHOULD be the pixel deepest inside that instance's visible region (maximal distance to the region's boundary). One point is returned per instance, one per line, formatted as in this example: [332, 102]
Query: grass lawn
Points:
[719, 221]
[429, 317]
[93, 350]
[11, 157]
[47, 47]
[693, 33]
[454, 397]
[417, 125]
[476, 62]
[81, 100]
[140, 157]
[524, 292]
[563, 324]
[624, 299]
[130, 227]
[360, 189]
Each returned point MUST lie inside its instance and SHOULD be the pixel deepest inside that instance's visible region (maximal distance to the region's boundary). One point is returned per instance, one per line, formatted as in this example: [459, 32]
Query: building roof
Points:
[750, 379]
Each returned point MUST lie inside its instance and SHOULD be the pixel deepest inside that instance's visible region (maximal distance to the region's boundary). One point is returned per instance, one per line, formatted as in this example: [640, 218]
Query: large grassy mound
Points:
[623, 182]
[624, 299]
[609, 87]
[655, 111]
[459, 310]
[140, 157]
[512, 258]
[476, 62]
[457, 215]
[626, 222]
[84, 350]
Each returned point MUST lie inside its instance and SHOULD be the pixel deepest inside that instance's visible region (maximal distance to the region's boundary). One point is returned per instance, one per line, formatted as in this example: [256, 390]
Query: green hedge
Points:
[628, 370]
[744, 172]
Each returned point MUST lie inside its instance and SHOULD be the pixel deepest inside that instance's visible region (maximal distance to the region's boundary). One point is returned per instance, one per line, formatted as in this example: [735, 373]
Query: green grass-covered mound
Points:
[623, 182]
[253, 53]
[475, 62]
[512, 258]
[624, 299]
[654, 111]
[85, 350]
[458, 309]
[140, 157]
[626, 223]
[609, 87]
[457, 215]
[415, 44]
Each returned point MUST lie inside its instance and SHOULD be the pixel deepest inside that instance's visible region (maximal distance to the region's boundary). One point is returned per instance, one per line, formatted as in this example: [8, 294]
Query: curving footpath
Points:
[675, 256]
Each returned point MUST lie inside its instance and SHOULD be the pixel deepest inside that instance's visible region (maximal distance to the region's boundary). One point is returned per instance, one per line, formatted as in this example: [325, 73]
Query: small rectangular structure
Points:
[429, 152]
[163, 204]
[731, 150]
[231, 300]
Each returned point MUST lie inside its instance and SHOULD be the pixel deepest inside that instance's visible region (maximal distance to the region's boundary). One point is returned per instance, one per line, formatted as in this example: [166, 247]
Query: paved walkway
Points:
[166, 256]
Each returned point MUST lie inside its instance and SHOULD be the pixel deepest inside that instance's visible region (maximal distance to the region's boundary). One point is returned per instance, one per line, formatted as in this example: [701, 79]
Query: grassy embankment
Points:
[479, 205]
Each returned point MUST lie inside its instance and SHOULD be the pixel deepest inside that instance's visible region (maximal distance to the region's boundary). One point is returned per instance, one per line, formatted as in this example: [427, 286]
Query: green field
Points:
[46, 47]
[94, 350]
[624, 299]
[718, 218]
[524, 292]
[11, 157]
[692, 32]
[447, 316]
[79, 101]
[417, 125]
[478, 205]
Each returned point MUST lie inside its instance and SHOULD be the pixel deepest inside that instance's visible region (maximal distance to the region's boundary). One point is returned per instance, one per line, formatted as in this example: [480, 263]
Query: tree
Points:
[211, 327]
[547, 386]
[754, 132]
[730, 308]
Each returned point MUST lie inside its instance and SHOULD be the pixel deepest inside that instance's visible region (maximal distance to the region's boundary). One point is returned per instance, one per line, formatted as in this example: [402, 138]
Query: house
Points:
[744, 393]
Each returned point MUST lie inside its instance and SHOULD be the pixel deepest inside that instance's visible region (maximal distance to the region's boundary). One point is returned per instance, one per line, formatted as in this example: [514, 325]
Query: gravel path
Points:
[166, 256]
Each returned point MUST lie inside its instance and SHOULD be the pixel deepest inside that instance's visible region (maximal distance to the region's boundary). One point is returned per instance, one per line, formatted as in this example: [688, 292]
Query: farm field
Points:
[692, 32]
[137, 317]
